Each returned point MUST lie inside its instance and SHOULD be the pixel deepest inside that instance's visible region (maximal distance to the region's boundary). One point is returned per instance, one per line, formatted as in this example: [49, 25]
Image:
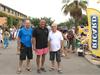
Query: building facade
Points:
[3, 21]
[11, 12]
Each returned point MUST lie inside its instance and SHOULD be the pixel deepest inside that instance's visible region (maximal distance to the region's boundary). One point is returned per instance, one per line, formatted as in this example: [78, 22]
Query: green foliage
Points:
[12, 21]
[36, 21]
[3, 14]
[69, 24]
[83, 20]
[48, 20]
[15, 22]
[75, 9]
[9, 21]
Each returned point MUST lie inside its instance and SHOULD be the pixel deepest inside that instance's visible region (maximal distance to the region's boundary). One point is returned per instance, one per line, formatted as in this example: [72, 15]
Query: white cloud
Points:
[38, 8]
[94, 4]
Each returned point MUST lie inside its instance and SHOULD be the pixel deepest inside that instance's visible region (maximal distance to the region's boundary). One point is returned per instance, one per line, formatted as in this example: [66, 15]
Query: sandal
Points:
[39, 71]
[28, 69]
[19, 72]
[51, 69]
[43, 69]
[60, 71]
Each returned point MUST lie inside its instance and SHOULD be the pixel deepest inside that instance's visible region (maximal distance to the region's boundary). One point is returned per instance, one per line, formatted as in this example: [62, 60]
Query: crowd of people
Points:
[41, 40]
[6, 36]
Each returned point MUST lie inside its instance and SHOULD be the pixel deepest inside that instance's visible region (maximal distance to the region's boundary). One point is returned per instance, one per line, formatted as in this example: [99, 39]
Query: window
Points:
[8, 10]
[4, 8]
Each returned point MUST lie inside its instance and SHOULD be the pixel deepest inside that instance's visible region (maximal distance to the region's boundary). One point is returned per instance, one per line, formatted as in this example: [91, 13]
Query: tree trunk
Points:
[76, 26]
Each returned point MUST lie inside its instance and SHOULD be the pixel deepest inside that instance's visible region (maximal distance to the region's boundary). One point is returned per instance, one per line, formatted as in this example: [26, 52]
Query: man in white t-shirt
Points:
[55, 45]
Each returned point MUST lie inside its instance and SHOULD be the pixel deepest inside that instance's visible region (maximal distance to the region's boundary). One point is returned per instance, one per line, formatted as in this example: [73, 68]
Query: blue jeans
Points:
[6, 42]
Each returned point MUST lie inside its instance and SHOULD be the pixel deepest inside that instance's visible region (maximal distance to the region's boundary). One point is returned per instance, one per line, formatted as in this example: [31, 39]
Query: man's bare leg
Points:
[59, 67]
[38, 63]
[28, 65]
[42, 63]
[20, 66]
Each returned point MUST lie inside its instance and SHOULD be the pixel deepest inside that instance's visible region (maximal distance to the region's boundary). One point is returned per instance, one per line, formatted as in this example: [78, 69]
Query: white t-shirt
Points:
[55, 40]
[1, 31]
[1, 38]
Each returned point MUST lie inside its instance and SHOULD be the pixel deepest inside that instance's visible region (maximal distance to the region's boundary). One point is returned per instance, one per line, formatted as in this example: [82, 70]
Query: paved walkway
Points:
[73, 66]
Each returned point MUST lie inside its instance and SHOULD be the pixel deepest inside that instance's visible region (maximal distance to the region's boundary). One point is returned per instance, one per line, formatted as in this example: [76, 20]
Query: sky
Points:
[41, 8]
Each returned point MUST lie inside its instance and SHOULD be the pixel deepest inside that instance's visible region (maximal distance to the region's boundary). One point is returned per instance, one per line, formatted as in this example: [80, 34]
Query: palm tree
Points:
[75, 9]
[68, 24]
[84, 20]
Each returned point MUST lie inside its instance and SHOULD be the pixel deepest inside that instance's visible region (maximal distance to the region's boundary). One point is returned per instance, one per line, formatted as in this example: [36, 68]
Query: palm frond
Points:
[64, 6]
[65, 9]
[85, 2]
[83, 5]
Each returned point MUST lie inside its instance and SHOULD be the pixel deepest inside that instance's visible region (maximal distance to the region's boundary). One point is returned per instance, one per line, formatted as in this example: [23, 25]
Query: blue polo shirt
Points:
[25, 36]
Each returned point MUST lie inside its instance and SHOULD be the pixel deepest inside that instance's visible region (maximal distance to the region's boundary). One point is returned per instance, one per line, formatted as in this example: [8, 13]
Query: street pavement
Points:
[73, 66]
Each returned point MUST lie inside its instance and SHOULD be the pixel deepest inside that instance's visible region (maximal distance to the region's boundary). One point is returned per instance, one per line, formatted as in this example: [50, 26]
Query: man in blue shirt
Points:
[25, 45]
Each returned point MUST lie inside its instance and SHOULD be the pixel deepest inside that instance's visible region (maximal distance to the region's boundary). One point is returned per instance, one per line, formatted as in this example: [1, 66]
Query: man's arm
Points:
[18, 45]
[62, 45]
[34, 43]
[49, 47]
[34, 39]
[18, 42]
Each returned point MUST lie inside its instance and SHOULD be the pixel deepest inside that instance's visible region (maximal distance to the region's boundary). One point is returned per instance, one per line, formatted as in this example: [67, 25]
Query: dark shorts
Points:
[26, 52]
[1, 41]
[56, 55]
[71, 43]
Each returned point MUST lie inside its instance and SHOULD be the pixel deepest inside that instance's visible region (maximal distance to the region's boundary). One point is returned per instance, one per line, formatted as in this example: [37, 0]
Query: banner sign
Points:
[94, 30]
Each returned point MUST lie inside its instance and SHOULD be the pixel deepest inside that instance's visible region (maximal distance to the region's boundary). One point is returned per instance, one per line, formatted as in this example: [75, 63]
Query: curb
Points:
[93, 60]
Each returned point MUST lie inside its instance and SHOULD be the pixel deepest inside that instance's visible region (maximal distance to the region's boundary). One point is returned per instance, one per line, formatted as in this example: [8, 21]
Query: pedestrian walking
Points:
[40, 46]
[6, 36]
[1, 38]
[66, 51]
[25, 46]
[55, 46]
[71, 41]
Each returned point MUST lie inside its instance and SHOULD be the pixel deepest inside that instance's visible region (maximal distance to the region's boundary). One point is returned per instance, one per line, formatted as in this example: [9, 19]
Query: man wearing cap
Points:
[55, 39]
